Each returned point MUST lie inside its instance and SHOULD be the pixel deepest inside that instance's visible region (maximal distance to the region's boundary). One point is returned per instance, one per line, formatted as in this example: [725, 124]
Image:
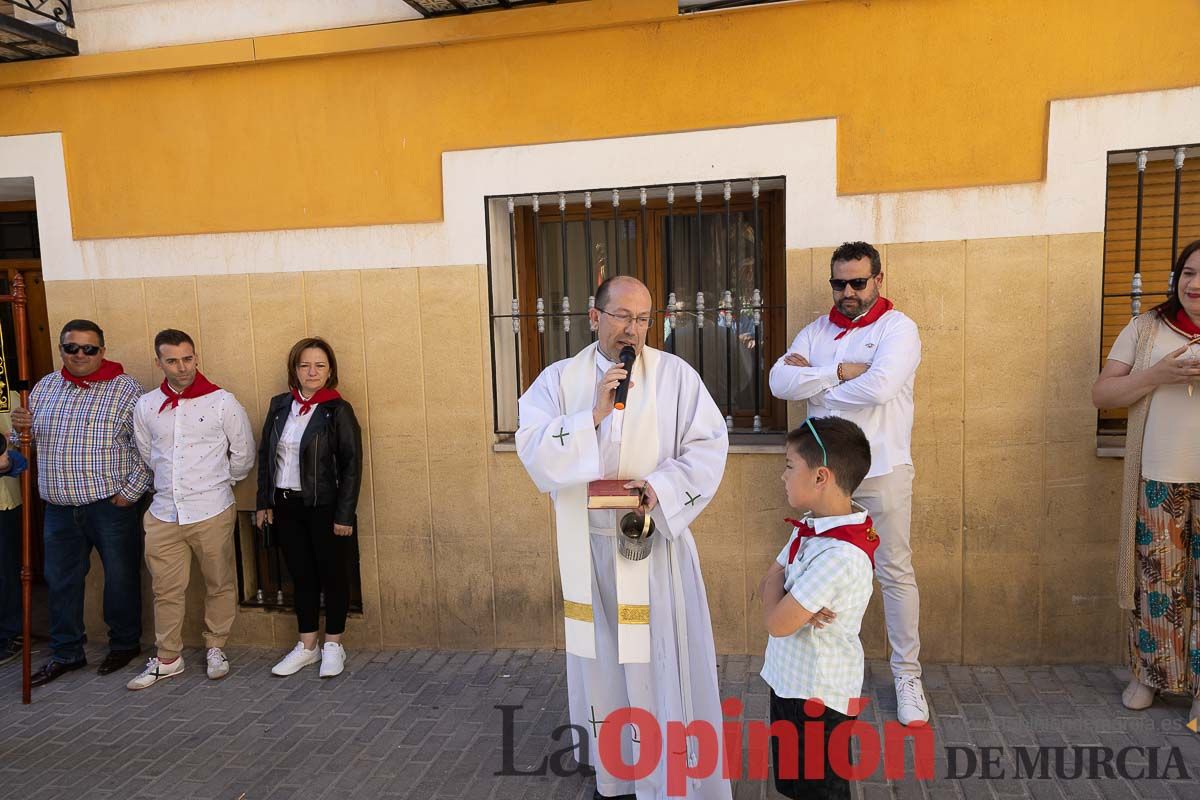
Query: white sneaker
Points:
[1137, 696]
[333, 660]
[218, 664]
[911, 707]
[296, 660]
[154, 672]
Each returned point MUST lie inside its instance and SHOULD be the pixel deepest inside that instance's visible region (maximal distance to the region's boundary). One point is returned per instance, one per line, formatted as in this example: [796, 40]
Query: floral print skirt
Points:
[1164, 630]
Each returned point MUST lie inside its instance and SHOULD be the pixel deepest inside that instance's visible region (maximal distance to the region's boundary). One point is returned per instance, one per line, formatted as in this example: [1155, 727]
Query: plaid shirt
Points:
[827, 663]
[86, 450]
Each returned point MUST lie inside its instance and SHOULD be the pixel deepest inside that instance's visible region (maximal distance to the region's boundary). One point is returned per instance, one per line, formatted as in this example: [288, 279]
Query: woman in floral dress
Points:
[1154, 370]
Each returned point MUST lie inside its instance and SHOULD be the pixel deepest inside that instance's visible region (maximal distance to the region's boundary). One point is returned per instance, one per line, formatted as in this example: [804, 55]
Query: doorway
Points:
[20, 253]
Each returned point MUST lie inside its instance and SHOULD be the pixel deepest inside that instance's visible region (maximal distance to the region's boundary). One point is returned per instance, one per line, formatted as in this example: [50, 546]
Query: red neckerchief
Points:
[1183, 325]
[881, 307]
[862, 536]
[105, 372]
[321, 396]
[199, 387]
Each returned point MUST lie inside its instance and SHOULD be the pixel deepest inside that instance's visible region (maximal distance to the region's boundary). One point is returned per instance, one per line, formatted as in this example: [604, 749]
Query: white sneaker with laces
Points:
[1137, 696]
[298, 659]
[154, 672]
[218, 664]
[333, 660]
[911, 706]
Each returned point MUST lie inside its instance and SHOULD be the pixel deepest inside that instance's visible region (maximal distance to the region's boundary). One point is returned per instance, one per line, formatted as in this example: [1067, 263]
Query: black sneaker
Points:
[53, 670]
[117, 659]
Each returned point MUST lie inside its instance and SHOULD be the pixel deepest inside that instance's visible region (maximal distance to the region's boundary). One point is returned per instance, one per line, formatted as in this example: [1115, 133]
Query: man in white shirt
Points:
[196, 439]
[859, 362]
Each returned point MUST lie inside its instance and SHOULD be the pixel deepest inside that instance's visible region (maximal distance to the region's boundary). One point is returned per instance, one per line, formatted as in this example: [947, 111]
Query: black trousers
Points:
[317, 559]
[832, 786]
[10, 576]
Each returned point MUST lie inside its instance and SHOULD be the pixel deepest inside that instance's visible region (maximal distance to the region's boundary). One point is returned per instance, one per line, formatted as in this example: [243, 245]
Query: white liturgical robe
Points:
[562, 451]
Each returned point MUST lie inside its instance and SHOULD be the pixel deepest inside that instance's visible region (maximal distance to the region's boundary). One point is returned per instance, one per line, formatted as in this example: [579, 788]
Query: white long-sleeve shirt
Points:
[287, 453]
[197, 452]
[880, 401]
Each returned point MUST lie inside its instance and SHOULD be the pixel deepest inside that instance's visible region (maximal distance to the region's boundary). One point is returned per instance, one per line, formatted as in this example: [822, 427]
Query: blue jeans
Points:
[10, 575]
[70, 534]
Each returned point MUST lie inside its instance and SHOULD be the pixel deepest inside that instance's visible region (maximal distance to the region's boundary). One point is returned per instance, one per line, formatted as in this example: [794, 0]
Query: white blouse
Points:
[287, 454]
[1170, 447]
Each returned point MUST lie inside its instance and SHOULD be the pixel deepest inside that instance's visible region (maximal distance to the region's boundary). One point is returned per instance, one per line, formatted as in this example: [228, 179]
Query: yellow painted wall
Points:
[1014, 518]
[928, 94]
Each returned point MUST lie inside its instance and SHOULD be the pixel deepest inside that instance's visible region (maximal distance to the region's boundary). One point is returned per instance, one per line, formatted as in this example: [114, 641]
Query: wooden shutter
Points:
[1120, 230]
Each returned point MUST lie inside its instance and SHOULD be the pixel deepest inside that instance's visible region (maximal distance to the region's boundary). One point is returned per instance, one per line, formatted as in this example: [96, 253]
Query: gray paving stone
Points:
[967, 693]
[1045, 790]
[976, 789]
[1115, 790]
[1186, 790]
[1152, 789]
[422, 724]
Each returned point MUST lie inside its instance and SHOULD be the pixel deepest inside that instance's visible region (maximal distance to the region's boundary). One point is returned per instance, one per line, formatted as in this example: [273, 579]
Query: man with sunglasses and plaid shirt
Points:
[91, 477]
[859, 362]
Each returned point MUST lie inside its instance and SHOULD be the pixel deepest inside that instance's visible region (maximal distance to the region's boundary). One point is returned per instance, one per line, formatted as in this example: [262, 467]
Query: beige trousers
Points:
[169, 548]
[888, 498]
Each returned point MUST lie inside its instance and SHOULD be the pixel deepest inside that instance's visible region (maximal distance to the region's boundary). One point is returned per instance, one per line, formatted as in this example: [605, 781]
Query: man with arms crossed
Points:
[859, 362]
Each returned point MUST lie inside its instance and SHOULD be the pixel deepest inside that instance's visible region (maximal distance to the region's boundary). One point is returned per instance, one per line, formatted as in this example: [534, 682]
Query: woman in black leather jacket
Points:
[309, 471]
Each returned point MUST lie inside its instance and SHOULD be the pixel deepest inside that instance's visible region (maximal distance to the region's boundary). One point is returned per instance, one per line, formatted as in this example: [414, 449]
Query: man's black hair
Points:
[853, 251]
[172, 337]
[81, 325]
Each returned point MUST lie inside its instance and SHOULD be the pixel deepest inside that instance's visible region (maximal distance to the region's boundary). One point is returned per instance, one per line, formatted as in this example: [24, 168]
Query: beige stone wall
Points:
[1014, 516]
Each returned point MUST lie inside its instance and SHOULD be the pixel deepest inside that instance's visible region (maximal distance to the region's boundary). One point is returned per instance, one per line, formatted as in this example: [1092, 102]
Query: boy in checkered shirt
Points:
[814, 597]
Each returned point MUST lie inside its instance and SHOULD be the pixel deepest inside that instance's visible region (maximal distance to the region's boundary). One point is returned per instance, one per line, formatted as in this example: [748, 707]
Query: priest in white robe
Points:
[638, 633]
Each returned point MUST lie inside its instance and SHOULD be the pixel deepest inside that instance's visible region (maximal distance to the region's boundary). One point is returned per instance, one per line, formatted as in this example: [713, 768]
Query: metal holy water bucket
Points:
[635, 543]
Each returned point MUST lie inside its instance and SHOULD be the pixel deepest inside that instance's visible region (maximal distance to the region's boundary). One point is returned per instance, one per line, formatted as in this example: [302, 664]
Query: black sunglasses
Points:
[70, 348]
[859, 284]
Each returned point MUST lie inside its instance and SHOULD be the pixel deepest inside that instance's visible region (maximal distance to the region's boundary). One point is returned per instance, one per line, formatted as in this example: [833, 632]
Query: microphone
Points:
[628, 356]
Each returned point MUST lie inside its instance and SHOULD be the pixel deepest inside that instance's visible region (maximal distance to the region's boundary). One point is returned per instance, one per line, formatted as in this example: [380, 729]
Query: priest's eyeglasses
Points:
[817, 436]
[624, 319]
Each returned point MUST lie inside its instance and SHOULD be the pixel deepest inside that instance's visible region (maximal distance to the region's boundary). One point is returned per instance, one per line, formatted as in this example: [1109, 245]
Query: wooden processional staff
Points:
[25, 441]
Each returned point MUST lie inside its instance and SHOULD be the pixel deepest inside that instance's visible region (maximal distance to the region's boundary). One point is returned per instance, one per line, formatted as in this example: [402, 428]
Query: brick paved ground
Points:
[421, 724]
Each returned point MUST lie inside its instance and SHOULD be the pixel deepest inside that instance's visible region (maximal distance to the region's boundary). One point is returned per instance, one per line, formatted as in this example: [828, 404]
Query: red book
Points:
[612, 494]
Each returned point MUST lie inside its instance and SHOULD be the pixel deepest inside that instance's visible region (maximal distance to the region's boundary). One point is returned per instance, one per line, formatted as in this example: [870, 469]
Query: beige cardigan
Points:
[1147, 330]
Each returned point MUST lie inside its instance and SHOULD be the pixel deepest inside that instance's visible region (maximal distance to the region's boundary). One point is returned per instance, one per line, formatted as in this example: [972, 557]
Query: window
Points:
[262, 573]
[712, 255]
[18, 233]
[1144, 229]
